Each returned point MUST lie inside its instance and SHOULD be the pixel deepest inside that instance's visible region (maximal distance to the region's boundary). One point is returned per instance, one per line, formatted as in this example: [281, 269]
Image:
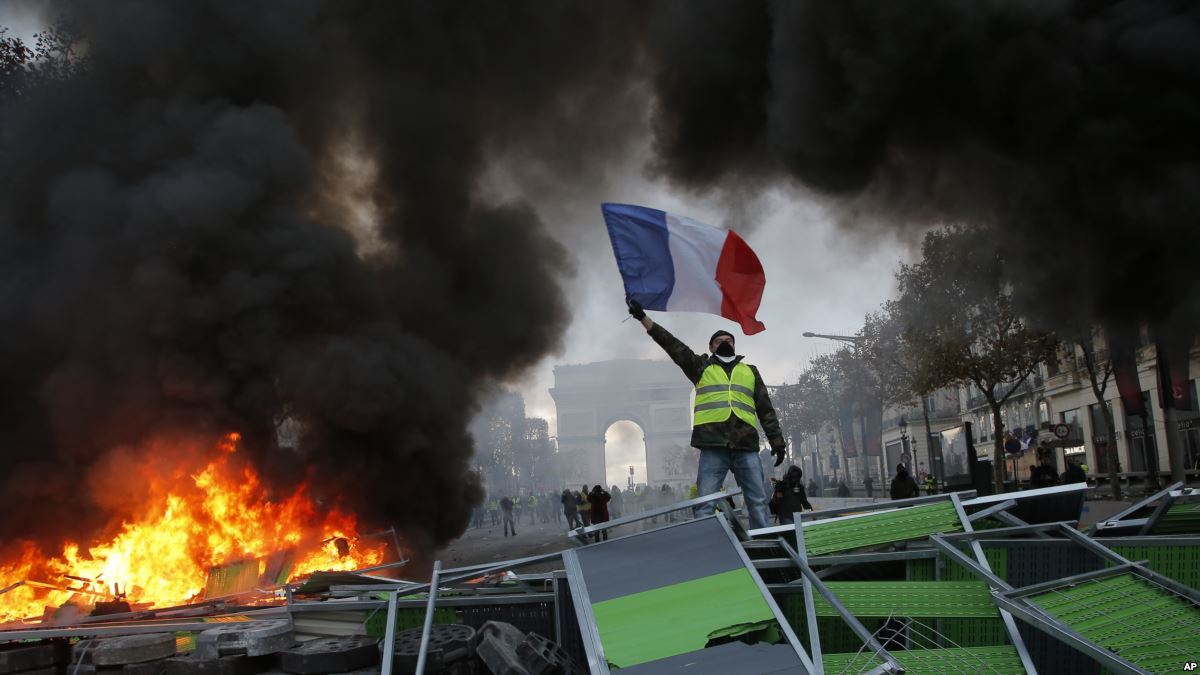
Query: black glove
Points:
[779, 453]
[636, 311]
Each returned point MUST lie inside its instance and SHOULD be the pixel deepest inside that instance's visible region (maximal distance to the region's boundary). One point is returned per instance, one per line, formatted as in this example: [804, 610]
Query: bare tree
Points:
[805, 406]
[957, 309]
[1099, 369]
[901, 362]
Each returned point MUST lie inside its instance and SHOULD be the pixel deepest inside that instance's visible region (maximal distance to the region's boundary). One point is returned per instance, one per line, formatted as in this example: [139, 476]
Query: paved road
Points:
[488, 543]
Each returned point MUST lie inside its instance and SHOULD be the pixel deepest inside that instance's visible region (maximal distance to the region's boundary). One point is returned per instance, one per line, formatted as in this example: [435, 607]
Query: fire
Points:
[220, 515]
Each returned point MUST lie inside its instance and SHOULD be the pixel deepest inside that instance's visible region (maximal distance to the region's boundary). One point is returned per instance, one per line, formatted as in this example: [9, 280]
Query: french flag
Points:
[672, 263]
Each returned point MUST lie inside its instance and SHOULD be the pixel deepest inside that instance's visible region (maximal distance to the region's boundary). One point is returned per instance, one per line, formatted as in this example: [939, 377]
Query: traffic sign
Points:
[1061, 431]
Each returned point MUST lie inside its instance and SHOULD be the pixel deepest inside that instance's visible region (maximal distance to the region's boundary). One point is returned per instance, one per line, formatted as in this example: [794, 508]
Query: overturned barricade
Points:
[938, 584]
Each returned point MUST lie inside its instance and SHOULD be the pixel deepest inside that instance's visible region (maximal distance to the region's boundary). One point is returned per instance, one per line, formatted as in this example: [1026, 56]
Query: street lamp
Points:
[833, 457]
[852, 339]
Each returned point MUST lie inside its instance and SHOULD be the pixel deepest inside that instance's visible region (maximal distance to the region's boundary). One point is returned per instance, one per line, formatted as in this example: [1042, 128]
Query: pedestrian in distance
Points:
[930, 484]
[667, 498]
[869, 486]
[1074, 474]
[843, 490]
[903, 486]
[570, 509]
[656, 500]
[531, 505]
[790, 495]
[1041, 475]
[731, 402]
[584, 506]
[506, 509]
[599, 498]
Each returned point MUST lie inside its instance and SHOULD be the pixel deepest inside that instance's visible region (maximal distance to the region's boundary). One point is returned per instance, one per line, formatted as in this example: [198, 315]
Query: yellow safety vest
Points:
[719, 395]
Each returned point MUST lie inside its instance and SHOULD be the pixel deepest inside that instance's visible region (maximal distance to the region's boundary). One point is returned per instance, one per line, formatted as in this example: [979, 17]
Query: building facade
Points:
[1057, 393]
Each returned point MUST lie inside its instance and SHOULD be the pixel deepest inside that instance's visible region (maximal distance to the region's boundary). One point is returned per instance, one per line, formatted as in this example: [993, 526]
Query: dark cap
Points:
[719, 334]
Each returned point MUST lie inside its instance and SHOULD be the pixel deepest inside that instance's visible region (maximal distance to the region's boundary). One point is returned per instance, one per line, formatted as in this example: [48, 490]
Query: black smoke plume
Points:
[176, 252]
[1070, 128]
[176, 255]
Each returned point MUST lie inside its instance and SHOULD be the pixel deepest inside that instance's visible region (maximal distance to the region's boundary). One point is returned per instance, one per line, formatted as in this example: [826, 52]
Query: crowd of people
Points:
[595, 504]
[576, 508]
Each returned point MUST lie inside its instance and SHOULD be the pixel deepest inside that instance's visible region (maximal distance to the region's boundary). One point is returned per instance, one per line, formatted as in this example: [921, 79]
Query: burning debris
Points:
[198, 535]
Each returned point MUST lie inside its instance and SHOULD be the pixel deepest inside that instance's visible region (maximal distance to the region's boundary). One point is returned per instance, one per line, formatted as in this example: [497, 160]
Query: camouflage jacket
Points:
[732, 433]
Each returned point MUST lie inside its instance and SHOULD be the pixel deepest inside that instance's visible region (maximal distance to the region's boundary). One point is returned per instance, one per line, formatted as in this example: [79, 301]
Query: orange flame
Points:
[218, 516]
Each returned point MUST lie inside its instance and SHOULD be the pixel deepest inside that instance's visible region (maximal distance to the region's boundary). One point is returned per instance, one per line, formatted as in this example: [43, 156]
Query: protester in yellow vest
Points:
[494, 510]
[531, 505]
[585, 507]
[731, 401]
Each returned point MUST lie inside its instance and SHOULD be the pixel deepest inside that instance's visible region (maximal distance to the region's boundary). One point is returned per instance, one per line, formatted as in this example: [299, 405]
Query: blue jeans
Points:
[747, 471]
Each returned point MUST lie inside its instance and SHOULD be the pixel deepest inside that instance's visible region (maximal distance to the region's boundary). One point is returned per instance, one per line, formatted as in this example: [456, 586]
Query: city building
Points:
[1056, 394]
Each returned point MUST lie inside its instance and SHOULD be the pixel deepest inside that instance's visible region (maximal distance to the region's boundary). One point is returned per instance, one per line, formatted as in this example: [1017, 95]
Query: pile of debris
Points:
[272, 647]
[937, 584]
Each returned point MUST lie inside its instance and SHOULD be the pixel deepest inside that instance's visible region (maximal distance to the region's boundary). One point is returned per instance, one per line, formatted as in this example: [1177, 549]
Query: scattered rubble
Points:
[130, 649]
[330, 655]
[24, 657]
[239, 664]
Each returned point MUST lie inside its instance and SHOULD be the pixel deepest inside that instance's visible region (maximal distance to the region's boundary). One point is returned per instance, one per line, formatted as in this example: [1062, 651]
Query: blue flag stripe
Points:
[639, 239]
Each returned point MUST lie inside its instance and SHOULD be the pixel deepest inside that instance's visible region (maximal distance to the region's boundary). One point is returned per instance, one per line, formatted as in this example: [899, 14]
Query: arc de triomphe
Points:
[653, 394]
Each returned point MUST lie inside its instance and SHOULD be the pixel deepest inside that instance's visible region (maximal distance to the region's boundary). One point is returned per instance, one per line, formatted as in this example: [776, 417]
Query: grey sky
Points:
[22, 18]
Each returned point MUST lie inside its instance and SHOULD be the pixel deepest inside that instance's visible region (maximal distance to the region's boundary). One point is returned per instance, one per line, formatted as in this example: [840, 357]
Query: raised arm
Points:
[691, 363]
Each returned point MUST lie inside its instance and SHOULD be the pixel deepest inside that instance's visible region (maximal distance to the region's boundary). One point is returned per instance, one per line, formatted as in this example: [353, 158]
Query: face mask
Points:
[725, 349]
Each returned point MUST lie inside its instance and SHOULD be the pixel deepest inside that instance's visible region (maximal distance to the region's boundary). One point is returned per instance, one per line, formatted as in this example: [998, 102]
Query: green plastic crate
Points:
[1139, 621]
[406, 617]
[882, 527]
